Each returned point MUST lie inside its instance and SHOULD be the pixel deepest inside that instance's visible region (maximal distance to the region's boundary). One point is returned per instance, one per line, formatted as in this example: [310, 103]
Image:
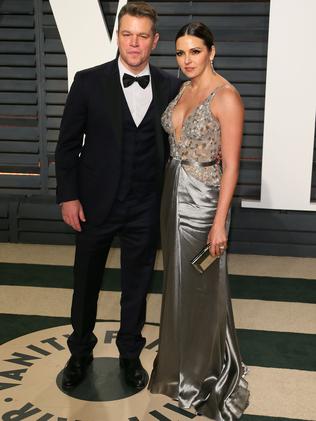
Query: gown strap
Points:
[214, 92]
[183, 87]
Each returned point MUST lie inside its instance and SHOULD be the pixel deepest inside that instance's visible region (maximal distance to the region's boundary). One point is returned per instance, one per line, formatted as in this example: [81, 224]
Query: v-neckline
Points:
[178, 139]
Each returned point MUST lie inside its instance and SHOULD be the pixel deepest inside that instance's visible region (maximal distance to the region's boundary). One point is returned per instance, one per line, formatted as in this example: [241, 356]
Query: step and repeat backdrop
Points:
[33, 90]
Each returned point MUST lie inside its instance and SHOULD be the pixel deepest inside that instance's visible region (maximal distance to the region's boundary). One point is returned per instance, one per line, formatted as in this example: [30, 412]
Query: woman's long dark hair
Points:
[199, 30]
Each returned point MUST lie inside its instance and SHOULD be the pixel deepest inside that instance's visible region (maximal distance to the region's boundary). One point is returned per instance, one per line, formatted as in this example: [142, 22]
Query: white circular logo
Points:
[30, 377]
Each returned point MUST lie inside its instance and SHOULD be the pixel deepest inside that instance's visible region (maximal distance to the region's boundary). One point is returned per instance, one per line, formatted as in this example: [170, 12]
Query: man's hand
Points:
[72, 214]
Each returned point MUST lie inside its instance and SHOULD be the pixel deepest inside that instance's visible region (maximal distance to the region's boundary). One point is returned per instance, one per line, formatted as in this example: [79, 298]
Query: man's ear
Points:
[155, 42]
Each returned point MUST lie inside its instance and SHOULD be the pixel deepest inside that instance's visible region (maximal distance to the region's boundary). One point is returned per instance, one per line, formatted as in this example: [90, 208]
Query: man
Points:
[110, 185]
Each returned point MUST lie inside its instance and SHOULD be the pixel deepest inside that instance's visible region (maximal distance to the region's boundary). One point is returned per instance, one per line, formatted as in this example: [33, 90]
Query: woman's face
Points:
[193, 56]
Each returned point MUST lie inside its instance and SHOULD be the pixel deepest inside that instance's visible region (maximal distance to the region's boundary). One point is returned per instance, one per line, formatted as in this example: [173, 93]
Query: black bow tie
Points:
[128, 80]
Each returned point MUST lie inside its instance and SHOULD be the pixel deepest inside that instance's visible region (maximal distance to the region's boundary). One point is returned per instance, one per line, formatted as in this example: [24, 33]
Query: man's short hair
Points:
[139, 9]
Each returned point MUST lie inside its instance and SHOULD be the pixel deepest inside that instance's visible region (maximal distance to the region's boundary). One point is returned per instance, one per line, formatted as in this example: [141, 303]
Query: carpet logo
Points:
[30, 378]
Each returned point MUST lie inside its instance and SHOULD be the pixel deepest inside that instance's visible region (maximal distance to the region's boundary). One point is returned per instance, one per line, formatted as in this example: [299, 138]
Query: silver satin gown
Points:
[198, 362]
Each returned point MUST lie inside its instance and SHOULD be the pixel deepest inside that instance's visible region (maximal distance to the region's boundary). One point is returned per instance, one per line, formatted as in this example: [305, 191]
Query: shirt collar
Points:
[123, 69]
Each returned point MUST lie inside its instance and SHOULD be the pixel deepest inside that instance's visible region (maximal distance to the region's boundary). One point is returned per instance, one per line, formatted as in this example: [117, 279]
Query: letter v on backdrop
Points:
[290, 104]
[84, 33]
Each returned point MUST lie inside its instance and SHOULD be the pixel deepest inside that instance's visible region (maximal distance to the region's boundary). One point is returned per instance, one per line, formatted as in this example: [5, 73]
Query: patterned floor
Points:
[274, 302]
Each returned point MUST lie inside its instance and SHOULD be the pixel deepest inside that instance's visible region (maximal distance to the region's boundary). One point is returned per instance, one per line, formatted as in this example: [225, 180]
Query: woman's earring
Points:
[178, 75]
[212, 68]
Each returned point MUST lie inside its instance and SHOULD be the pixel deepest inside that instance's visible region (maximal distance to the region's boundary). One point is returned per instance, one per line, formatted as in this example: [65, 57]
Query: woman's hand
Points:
[218, 239]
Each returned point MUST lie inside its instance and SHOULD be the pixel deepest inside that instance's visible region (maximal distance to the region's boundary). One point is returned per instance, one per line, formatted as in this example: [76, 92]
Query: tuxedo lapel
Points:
[113, 97]
[160, 98]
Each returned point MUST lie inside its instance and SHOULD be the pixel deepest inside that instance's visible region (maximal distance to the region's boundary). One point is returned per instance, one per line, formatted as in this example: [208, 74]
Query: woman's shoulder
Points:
[226, 95]
[226, 91]
[226, 101]
[184, 85]
[180, 92]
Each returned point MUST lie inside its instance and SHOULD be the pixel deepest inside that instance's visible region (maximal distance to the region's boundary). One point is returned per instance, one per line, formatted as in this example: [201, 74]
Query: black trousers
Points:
[136, 222]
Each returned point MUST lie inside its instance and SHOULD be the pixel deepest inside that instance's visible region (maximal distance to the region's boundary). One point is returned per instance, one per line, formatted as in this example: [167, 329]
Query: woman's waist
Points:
[208, 172]
[196, 163]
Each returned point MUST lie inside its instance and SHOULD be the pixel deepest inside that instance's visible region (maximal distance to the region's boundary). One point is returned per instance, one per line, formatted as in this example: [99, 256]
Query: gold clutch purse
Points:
[203, 259]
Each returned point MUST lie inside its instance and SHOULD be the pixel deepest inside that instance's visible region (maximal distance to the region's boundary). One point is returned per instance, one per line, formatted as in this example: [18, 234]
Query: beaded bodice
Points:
[199, 139]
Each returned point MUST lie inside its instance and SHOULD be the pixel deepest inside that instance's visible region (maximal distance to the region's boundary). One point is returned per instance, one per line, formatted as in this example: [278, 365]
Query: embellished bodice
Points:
[199, 139]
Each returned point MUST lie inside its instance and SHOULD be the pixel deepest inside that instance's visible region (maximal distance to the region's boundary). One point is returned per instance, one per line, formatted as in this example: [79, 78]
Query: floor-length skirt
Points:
[198, 361]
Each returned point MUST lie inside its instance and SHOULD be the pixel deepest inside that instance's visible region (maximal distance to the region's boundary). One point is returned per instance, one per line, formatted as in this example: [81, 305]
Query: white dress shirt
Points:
[137, 98]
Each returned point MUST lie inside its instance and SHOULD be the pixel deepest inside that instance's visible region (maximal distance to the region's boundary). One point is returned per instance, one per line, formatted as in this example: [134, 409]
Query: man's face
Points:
[135, 41]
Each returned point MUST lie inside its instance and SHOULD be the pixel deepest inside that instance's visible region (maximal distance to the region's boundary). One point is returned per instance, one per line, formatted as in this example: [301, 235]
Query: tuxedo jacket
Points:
[91, 171]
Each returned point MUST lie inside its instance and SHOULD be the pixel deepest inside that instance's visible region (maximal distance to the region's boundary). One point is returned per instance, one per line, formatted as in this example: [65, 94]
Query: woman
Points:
[198, 362]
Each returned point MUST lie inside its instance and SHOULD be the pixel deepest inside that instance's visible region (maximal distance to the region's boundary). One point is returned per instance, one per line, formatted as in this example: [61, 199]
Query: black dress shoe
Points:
[134, 373]
[75, 371]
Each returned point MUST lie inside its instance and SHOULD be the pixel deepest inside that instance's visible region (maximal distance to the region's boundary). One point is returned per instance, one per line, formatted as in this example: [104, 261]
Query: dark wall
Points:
[33, 88]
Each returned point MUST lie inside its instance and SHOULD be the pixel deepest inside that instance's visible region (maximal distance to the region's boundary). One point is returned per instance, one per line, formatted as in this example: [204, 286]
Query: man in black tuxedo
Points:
[110, 184]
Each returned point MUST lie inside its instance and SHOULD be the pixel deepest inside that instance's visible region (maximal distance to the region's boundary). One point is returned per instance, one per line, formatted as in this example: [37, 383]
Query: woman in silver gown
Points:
[198, 362]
